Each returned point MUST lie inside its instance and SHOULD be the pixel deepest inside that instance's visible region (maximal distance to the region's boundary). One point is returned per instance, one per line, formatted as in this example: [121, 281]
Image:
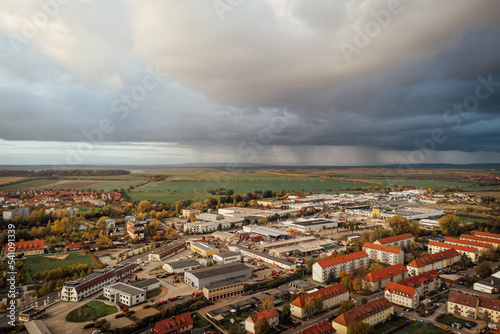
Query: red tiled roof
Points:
[469, 242]
[325, 293]
[384, 273]
[463, 299]
[22, 246]
[268, 314]
[323, 327]
[399, 289]
[481, 239]
[73, 245]
[364, 311]
[452, 246]
[382, 248]
[395, 238]
[341, 259]
[433, 258]
[173, 324]
[487, 234]
[415, 281]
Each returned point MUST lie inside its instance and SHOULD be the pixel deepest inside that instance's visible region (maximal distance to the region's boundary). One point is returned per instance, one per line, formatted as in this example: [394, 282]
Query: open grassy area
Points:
[449, 319]
[45, 262]
[90, 311]
[199, 321]
[472, 219]
[420, 328]
[389, 325]
[153, 293]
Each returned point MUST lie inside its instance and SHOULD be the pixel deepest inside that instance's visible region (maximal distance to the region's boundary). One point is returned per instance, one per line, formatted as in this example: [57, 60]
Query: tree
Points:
[3, 307]
[267, 302]
[364, 300]
[43, 291]
[347, 282]
[309, 307]
[144, 206]
[375, 266]
[345, 306]
[399, 225]
[238, 310]
[466, 260]
[360, 328]
[285, 315]
[262, 326]
[318, 304]
[484, 269]
[450, 224]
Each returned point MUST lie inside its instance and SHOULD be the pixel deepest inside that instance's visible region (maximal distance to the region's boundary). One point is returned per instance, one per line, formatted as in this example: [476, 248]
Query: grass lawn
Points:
[91, 310]
[472, 219]
[420, 328]
[389, 325]
[41, 263]
[449, 319]
[199, 321]
[153, 293]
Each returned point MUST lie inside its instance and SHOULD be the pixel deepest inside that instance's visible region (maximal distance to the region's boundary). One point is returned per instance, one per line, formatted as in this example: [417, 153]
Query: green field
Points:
[449, 319]
[420, 328]
[111, 185]
[90, 311]
[387, 326]
[472, 219]
[435, 184]
[31, 183]
[42, 262]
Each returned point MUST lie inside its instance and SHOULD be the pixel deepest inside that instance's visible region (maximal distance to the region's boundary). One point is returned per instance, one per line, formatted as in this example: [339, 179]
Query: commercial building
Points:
[402, 295]
[75, 291]
[271, 315]
[424, 283]
[402, 240]
[268, 233]
[473, 307]
[433, 262]
[489, 285]
[227, 257]
[32, 247]
[322, 270]
[274, 261]
[303, 249]
[36, 327]
[331, 297]
[436, 247]
[174, 325]
[200, 278]
[489, 240]
[414, 213]
[190, 212]
[211, 225]
[372, 313]
[284, 243]
[203, 249]
[124, 294]
[225, 236]
[378, 279]
[177, 267]
[223, 290]
[323, 327]
[310, 225]
[161, 253]
[385, 254]
[147, 284]
[11, 214]
[481, 246]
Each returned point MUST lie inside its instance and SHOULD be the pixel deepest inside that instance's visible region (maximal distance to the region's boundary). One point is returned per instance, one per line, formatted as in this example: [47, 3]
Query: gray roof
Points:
[183, 264]
[36, 327]
[224, 283]
[314, 222]
[125, 288]
[491, 281]
[263, 255]
[227, 254]
[218, 270]
[202, 245]
[145, 283]
[165, 248]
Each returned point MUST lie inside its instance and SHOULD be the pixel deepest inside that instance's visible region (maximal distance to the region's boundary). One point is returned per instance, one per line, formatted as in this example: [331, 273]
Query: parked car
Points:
[446, 328]
[420, 320]
[401, 314]
[429, 323]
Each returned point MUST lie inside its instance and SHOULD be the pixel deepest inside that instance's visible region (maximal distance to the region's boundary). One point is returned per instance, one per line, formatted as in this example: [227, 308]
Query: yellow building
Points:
[472, 307]
[203, 249]
[223, 290]
[372, 313]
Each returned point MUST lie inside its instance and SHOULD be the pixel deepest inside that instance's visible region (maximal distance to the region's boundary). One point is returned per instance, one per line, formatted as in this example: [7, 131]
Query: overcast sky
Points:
[262, 81]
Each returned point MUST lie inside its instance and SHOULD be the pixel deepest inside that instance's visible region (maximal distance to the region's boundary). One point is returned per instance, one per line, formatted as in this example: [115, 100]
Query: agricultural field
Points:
[10, 179]
[41, 263]
[435, 184]
[29, 184]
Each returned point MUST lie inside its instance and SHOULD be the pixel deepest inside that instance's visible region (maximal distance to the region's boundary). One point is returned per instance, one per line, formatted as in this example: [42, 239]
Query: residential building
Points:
[136, 232]
[270, 314]
[402, 240]
[163, 252]
[436, 247]
[487, 235]
[473, 307]
[331, 297]
[274, 261]
[174, 325]
[372, 313]
[378, 279]
[481, 246]
[323, 327]
[223, 290]
[402, 295]
[75, 291]
[436, 261]
[177, 267]
[324, 269]
[190, 212]
[147, 284]
[424, 283]
[227, 257]
[11, 214]
[32, 247]
[124, 294]
[200, 278]
[489, 240]
[203, 249]
[384, 254]
[73, 247]
[110, 223]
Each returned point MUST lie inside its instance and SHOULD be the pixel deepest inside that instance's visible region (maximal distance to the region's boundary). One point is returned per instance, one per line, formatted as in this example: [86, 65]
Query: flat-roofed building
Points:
[190, 212]
[203, 249]
[402, 240]
[302, 249]
[124, 294]
[303, 225]
[490, 284]
[147, 284]
[284, 243]
[227, 257]
[372, 313]
[177, 267]
[436, 261]
[334, 266]
[163, 252]
[200, 278]
[436, 247]
[331, 297]
[402, 295]
[274, 261]
[36, 327]
[225, 236]
[223, 290]
[385, 254]
[378, 279]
